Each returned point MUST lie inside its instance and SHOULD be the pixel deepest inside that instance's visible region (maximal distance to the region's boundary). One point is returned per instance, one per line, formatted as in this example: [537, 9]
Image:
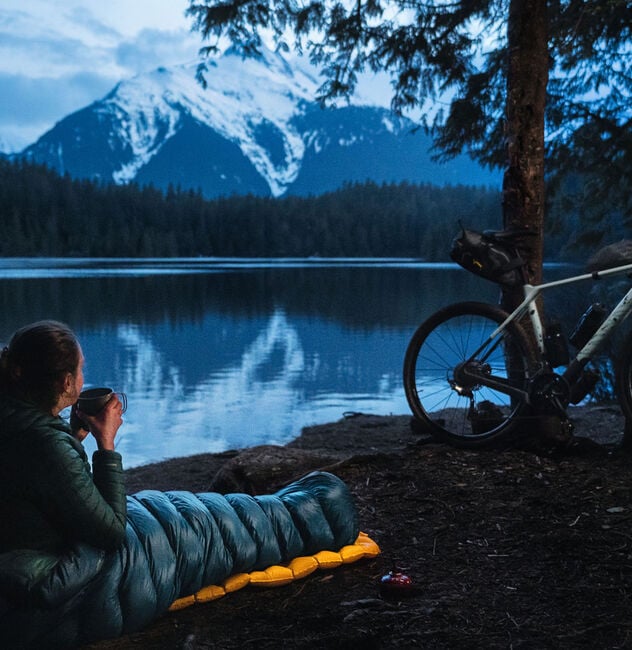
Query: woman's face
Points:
[72, 388]
[78, 378]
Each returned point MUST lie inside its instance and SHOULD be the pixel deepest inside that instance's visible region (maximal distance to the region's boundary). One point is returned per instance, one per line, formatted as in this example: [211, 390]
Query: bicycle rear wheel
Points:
[455, 408]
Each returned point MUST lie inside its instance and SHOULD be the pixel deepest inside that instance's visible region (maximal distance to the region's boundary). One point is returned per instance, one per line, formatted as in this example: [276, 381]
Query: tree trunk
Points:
[527, 77]
[523, 182]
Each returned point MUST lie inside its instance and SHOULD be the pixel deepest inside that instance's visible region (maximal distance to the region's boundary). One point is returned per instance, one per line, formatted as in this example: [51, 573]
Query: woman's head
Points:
[43, 364]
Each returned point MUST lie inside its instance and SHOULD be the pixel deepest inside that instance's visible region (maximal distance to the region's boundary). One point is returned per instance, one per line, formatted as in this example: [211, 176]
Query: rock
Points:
[259, 470]
[616, 254]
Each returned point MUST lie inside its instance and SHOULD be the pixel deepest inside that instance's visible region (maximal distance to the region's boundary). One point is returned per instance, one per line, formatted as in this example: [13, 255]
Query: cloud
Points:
[30, 107]
[152, 48]
[83, 17]
[34, 51]
[56, 58]
[129, 17]
[37, 98]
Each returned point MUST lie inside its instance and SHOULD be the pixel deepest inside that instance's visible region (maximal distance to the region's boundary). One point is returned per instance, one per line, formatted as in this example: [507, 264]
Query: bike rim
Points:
[454, 406]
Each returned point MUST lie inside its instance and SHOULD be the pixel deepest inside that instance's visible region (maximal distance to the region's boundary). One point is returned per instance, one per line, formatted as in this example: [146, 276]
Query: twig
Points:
[594, 628]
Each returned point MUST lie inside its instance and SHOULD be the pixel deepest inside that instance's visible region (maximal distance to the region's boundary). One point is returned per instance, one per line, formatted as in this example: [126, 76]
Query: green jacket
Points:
[49, 498]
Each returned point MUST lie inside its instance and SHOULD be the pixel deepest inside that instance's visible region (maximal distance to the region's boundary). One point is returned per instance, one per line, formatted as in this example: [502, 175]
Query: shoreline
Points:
[325, 444]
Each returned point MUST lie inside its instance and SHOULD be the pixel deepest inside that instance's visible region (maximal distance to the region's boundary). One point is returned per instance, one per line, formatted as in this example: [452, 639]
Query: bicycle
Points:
[471, 372]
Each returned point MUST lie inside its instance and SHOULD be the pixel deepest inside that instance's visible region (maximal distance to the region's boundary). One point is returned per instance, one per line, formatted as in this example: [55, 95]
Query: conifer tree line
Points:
[45, 214]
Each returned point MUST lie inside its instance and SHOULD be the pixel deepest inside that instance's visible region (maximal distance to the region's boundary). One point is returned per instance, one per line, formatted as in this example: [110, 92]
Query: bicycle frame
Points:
[527, 306]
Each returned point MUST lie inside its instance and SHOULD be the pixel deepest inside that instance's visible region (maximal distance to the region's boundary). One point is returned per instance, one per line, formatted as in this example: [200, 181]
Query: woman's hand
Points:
[78, 427]
[105, 424]
[80, 434]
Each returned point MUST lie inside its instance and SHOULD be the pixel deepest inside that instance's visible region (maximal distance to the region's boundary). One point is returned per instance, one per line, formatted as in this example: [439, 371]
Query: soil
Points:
[526, 547]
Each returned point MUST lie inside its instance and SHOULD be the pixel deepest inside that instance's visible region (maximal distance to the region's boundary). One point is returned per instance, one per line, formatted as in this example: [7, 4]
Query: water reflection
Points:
[236, 356]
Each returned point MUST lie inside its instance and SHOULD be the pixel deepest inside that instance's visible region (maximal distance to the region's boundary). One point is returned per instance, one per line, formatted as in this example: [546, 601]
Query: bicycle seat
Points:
[509, 234]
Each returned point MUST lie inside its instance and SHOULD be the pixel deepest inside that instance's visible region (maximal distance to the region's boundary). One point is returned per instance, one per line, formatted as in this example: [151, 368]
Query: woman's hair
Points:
[34, 365]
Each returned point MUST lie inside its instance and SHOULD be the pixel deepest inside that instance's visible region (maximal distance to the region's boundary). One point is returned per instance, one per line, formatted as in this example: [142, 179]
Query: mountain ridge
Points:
[253, 127]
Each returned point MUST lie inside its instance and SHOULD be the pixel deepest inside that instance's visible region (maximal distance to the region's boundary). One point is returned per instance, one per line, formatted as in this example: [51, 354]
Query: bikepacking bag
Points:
[485, 257]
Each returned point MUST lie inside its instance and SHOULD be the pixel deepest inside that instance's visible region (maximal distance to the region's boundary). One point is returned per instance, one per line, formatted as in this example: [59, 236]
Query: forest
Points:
[47, 215]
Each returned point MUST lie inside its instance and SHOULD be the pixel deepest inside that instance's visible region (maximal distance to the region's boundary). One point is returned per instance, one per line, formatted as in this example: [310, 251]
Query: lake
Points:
[224, 354]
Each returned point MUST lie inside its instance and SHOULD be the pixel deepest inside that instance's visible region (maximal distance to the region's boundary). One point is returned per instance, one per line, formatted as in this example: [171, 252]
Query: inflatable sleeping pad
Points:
[180, 547]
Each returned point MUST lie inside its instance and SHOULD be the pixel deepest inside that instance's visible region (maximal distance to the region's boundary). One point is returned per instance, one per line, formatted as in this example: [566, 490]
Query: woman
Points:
[76, 563]
[49, 497]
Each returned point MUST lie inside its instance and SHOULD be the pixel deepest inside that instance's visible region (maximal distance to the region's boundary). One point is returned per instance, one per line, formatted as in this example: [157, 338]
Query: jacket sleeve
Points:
[85, 509]
[107, 470]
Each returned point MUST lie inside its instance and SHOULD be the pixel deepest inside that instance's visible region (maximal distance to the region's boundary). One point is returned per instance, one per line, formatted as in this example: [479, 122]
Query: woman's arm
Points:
[92, 511]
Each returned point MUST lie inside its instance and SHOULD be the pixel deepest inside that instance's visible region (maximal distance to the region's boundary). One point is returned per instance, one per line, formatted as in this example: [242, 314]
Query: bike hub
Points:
[464, 380]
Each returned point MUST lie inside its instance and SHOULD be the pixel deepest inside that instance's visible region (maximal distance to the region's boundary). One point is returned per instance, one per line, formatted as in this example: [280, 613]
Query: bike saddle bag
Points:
[489, 259]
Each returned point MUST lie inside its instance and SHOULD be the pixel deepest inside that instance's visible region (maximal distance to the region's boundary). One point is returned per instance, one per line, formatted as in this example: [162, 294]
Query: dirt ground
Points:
[505, 549]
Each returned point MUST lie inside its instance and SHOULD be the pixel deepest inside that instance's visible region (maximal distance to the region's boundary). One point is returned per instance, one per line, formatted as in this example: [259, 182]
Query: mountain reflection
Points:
[233, 358]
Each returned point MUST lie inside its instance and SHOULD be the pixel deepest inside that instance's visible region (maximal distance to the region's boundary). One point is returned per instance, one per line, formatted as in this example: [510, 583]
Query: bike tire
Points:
[468, 416]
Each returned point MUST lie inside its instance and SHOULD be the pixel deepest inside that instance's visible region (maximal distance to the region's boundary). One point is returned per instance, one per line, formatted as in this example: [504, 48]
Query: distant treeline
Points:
[44, 214]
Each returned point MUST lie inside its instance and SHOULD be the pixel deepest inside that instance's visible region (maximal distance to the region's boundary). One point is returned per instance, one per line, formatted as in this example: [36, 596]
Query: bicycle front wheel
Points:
[456, 408]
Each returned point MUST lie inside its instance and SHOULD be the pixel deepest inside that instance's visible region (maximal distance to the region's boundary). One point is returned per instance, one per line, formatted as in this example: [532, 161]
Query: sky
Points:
[57, 56]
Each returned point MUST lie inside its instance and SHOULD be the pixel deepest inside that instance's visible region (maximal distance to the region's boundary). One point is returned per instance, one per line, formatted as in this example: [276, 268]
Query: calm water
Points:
[221, 355]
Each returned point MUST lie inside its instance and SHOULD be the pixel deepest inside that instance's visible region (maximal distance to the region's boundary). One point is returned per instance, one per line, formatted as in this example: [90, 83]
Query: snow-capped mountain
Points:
[255, 127]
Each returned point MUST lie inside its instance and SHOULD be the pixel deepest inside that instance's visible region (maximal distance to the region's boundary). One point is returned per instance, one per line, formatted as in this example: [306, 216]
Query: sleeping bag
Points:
[176, 543]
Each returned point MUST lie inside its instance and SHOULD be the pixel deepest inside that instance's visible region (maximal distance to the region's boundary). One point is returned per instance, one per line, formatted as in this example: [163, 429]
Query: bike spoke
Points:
[446, 383]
